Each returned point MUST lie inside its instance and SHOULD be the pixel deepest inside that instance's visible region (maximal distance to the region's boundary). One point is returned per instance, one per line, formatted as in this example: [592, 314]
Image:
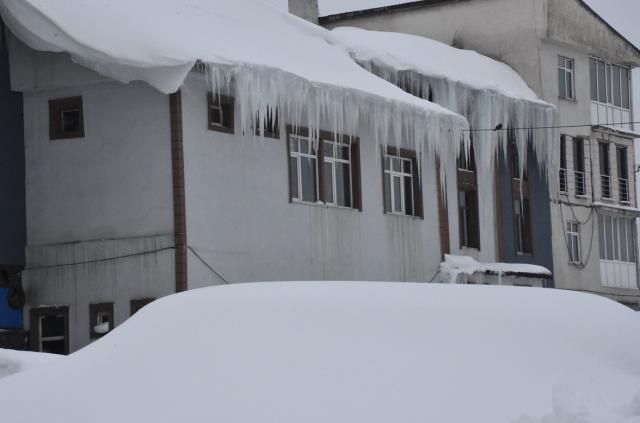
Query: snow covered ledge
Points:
[466, 270]
[273, 61]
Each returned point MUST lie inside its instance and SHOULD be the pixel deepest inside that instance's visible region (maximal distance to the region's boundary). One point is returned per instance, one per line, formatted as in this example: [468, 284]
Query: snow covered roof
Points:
[454, 266]
[322, 352]
[275, 59]
[424, 56]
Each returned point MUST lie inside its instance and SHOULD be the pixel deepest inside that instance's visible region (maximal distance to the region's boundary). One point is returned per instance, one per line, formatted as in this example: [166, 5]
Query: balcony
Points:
[564, 185]
[581, 188]
[605, 186]
[623, 186]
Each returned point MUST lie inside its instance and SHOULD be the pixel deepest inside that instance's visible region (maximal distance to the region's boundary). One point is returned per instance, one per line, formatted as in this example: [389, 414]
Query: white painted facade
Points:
[530, 36]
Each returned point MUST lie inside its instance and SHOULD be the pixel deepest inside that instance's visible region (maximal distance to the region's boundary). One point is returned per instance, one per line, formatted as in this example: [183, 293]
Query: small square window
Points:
[137, 304]
[50, 329]
[220, 113]
[101, 319]
[271, 125]
[66, 118]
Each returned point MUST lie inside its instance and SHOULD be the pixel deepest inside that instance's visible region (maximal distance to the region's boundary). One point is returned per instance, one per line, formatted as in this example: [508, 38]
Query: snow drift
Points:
[270, 60]
[348, 352]
[12, 362]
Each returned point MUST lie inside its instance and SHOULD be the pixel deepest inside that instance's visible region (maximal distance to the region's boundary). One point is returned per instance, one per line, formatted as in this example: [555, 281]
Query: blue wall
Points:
[12, 185]
[540, 216]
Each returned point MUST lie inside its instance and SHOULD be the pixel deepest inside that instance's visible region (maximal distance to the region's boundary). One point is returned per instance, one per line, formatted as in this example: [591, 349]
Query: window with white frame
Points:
[617, 251]
[325, 171]
[573, 242]
[401, 188]
[566, 81]
[50, 329]
[610, 93]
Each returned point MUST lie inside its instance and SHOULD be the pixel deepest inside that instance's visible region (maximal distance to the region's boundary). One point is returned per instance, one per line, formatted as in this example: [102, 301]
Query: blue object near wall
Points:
[9, 318]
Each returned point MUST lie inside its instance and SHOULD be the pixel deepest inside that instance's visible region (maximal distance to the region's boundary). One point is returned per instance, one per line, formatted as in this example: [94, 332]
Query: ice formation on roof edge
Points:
[260, 90]
[484, 110]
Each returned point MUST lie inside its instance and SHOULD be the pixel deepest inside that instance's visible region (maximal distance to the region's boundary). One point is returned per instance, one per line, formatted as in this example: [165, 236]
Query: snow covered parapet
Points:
[274, 61]
[463, 269]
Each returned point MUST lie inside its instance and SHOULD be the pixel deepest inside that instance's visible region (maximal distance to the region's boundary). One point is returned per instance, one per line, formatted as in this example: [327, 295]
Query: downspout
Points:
[179, 208]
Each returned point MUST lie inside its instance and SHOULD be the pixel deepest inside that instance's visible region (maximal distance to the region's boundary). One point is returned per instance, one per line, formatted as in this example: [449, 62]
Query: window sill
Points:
[524, 254]
[323, 205]
[221, 129]
[568, 100]
[410, 216]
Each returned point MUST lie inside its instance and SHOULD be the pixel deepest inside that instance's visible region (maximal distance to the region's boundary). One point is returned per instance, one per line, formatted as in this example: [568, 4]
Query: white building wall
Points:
[240, 221]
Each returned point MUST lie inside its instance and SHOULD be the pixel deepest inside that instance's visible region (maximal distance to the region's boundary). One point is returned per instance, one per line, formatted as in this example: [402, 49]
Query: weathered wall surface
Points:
[241, 223]
[12, 201]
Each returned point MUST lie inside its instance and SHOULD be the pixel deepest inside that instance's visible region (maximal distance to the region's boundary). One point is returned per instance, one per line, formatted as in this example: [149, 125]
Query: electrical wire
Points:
[208, 265]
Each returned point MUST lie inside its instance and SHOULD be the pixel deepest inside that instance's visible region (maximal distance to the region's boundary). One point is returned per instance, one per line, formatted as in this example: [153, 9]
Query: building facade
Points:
[573, 59]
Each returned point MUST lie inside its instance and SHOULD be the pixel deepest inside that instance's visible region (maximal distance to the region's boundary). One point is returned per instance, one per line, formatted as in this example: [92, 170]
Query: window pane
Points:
[609, 95]
[601, 230]
[602, 82]
[328, 183]
[308, 176]
[616, 86]
[593, 73]
[343, 152]
[304, 146]
[631, 229]
[625, 87]
[408, 196]
[52, 326]
[293, 145]
[406, 166]
[396, 164]
[562, 89]
[343, 184]
[70, 120]
[293, 177]
[569, 85]
[327, 148]
[622, 230]
[397, 191]
[54, 347]
[387, 192]
[387, 163]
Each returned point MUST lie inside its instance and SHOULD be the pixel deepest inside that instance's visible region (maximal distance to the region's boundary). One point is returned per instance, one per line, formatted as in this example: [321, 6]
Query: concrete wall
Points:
[241, 223]
[12, 201]
[99, 208]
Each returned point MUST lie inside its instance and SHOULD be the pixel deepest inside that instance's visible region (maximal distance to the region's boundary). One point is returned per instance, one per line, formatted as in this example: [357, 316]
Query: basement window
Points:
[137, 304]
[50, 330]
[66, 118]
[101, 319]
[220, 113]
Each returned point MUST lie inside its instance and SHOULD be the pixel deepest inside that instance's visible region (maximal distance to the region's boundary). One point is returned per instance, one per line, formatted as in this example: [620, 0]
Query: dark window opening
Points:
[270, 125]
[467, 160]
[578, 165]
[50, 330]
[623, 174]
[137, 304]
[66, 119]
[563, 165]
[220, 113]
[469, 218]
[605, 169]
[522, 220]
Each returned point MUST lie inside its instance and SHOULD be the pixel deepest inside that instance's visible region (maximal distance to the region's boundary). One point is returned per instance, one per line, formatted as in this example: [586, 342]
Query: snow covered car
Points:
[348, 352]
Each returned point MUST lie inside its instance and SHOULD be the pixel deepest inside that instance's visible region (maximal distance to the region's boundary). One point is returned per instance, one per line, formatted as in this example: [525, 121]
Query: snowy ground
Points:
[349, 352]
[12, 362]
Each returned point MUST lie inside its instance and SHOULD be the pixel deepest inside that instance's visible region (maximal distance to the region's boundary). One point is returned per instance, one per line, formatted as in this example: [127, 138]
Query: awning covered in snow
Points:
[275, 60]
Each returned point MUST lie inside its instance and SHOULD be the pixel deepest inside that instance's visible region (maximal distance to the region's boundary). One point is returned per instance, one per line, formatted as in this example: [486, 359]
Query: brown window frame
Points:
[402, 153]
[319, 195]
[227, 106]
[467, 179]
[38, 312]
[137, 304]
[520, 193]
[271, 125]
[94, 310]
[57, 107]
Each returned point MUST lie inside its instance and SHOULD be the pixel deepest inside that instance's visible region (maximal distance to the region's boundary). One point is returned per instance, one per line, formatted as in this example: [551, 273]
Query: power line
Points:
[500, 128]
[208, 265]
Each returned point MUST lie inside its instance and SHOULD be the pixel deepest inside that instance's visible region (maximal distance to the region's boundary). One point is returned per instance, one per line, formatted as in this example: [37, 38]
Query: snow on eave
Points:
[455, 266]
[274, 59]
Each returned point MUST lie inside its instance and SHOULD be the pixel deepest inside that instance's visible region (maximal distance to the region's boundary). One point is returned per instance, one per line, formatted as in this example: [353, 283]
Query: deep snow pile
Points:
[487, 92]
[349, 352]
[270, 59]
[12, 362]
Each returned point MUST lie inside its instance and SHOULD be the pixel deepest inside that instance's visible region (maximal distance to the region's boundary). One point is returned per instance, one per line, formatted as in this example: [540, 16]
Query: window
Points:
[270, 125]
[573, 243]
[66, 118]
[50, 329]
[220, 113]
[522, 225]
[617, 251]
[137, 304]
[623, 173]
[578, 167]
[605, 169]
[468, 206]
[100, 319]
[563, 183]
[514, 158]
[328, 172]
[566, 79]
[401, 185]
[610, 93]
